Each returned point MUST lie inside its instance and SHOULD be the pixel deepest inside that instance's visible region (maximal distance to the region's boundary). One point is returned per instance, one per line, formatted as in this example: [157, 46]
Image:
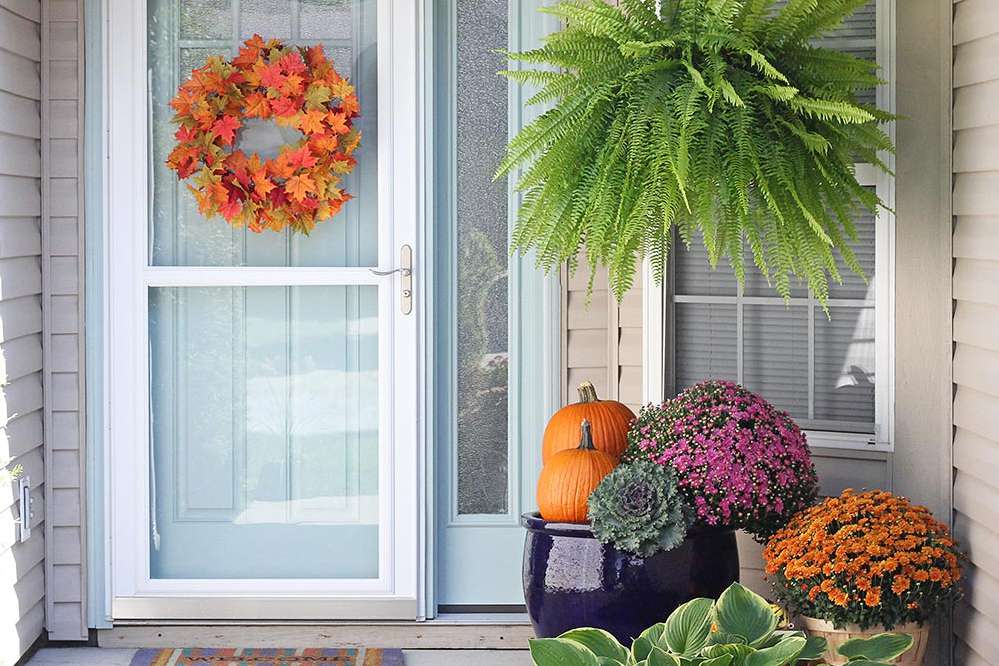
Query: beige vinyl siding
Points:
[976, 324]
[601, 338]
[63, 264]
[22, 567]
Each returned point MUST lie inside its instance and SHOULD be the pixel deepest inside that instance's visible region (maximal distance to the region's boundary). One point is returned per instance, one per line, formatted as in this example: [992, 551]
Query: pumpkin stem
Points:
[587, 392]
[585, 437]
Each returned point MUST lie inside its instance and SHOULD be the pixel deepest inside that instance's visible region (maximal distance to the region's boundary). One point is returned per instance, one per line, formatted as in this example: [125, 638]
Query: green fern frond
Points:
[715, 120]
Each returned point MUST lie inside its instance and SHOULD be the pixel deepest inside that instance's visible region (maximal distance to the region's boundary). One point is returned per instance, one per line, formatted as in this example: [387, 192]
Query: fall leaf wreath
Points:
[295, 87]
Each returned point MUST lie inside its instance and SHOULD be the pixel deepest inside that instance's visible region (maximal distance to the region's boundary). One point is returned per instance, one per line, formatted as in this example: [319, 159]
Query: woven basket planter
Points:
[836, 637]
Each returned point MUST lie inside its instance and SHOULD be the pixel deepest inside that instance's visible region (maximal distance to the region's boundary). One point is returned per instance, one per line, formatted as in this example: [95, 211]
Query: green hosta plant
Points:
[739, 629]
[710, 118]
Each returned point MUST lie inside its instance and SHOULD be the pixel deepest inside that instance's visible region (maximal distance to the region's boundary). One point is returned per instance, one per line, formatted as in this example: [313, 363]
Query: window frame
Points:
[658, 313]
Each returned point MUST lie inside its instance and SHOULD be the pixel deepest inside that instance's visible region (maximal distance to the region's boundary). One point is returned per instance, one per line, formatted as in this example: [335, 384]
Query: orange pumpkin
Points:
[609, 420]
[567, 480]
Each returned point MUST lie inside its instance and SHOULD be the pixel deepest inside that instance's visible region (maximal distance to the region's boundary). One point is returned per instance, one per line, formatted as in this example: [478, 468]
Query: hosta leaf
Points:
[723, 660]
[686, 629]
[880, 647]
[641, 648]
[599, 642]
[659, 657]
[735, 651]
[742, 612]
[785, 652]
[560, 652]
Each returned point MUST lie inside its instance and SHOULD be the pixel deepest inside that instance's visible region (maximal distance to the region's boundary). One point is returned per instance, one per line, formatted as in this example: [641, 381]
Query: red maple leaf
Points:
[272, 76]
[225, 128]
[285, 106]
[231, 208]
[292, 63]
[301, 158]
[184, 134]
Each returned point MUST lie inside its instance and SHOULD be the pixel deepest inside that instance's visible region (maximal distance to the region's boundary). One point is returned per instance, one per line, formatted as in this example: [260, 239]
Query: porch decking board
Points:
[976, 320]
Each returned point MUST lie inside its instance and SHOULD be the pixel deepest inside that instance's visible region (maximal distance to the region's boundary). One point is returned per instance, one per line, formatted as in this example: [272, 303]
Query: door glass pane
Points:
[481, 234]
[264, 424]
[181, 36]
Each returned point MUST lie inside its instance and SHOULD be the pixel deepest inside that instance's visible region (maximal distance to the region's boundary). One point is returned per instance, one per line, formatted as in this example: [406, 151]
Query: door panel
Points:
[264, 405]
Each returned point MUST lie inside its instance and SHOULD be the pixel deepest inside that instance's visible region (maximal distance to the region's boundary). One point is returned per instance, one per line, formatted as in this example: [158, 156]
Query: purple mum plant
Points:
[741, 462]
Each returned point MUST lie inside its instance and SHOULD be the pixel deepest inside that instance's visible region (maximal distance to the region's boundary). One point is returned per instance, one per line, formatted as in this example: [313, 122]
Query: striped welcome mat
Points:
[267, 657]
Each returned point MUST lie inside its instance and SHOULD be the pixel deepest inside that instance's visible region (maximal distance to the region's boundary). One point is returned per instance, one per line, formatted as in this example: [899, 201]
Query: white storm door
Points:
[261, 388]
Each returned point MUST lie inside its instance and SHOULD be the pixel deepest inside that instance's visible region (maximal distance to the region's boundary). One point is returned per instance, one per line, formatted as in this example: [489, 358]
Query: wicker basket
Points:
[836, 637]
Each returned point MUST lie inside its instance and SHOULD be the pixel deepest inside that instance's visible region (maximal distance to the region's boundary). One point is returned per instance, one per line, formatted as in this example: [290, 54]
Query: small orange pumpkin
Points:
[567, 480]
[609, 419]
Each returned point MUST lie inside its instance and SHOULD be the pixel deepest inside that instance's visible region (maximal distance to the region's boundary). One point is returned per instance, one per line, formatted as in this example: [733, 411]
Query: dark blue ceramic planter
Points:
[572, 580]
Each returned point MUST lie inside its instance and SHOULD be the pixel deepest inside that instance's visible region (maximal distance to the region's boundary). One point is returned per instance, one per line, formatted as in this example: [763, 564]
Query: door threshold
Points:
[487, 633]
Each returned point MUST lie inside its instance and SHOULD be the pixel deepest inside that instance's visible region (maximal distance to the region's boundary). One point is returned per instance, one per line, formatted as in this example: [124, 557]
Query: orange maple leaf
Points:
[315, 55]
[262, 185]
[292, 85]
[350, 105]
[337, 122]
[311, 122]
[299, 187]
[256, 106]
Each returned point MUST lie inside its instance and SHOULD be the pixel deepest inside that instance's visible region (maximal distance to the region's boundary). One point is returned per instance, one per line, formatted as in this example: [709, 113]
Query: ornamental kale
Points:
[638, 508]
[740, 462]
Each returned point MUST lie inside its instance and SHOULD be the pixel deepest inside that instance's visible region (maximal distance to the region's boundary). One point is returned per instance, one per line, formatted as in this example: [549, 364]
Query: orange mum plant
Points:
[292, 86]
[871, 559]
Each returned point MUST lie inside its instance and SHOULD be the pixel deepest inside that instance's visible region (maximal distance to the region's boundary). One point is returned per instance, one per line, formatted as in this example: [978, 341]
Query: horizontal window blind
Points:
[819, 369]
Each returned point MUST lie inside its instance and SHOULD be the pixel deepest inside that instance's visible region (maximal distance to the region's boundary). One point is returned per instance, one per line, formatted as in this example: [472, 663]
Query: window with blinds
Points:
[822, 370]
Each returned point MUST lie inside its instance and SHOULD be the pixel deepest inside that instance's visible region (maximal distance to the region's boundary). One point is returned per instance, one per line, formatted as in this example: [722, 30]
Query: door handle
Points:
[405, 271]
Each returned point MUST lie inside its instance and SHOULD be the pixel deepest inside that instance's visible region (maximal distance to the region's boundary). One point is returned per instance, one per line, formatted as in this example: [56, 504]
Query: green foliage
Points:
[714, 118]
[737, 630]
[638, 508]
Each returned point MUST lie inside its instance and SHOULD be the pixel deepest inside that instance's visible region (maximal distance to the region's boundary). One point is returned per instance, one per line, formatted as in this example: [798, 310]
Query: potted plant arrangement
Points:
[864, 563]
[620, 547]
[739, 629]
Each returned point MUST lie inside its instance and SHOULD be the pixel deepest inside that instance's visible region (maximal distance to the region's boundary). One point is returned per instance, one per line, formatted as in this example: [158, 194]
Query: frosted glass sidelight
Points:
[481, 231]
[264, 425]
[181, 36]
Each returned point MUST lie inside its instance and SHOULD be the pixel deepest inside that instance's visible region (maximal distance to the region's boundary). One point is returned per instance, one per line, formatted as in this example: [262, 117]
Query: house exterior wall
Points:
[976, 324]
[22, 565]
[62, 304]
[601, 338]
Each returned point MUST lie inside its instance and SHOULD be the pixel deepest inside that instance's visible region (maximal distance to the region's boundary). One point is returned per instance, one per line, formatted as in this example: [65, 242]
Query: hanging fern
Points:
[697, 117]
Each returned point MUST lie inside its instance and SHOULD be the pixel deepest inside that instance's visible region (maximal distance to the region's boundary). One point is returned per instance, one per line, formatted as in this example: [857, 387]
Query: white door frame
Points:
[133, 594]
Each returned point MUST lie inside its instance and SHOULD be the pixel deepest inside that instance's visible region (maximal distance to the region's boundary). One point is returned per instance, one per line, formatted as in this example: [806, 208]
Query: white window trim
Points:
[655, 309]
